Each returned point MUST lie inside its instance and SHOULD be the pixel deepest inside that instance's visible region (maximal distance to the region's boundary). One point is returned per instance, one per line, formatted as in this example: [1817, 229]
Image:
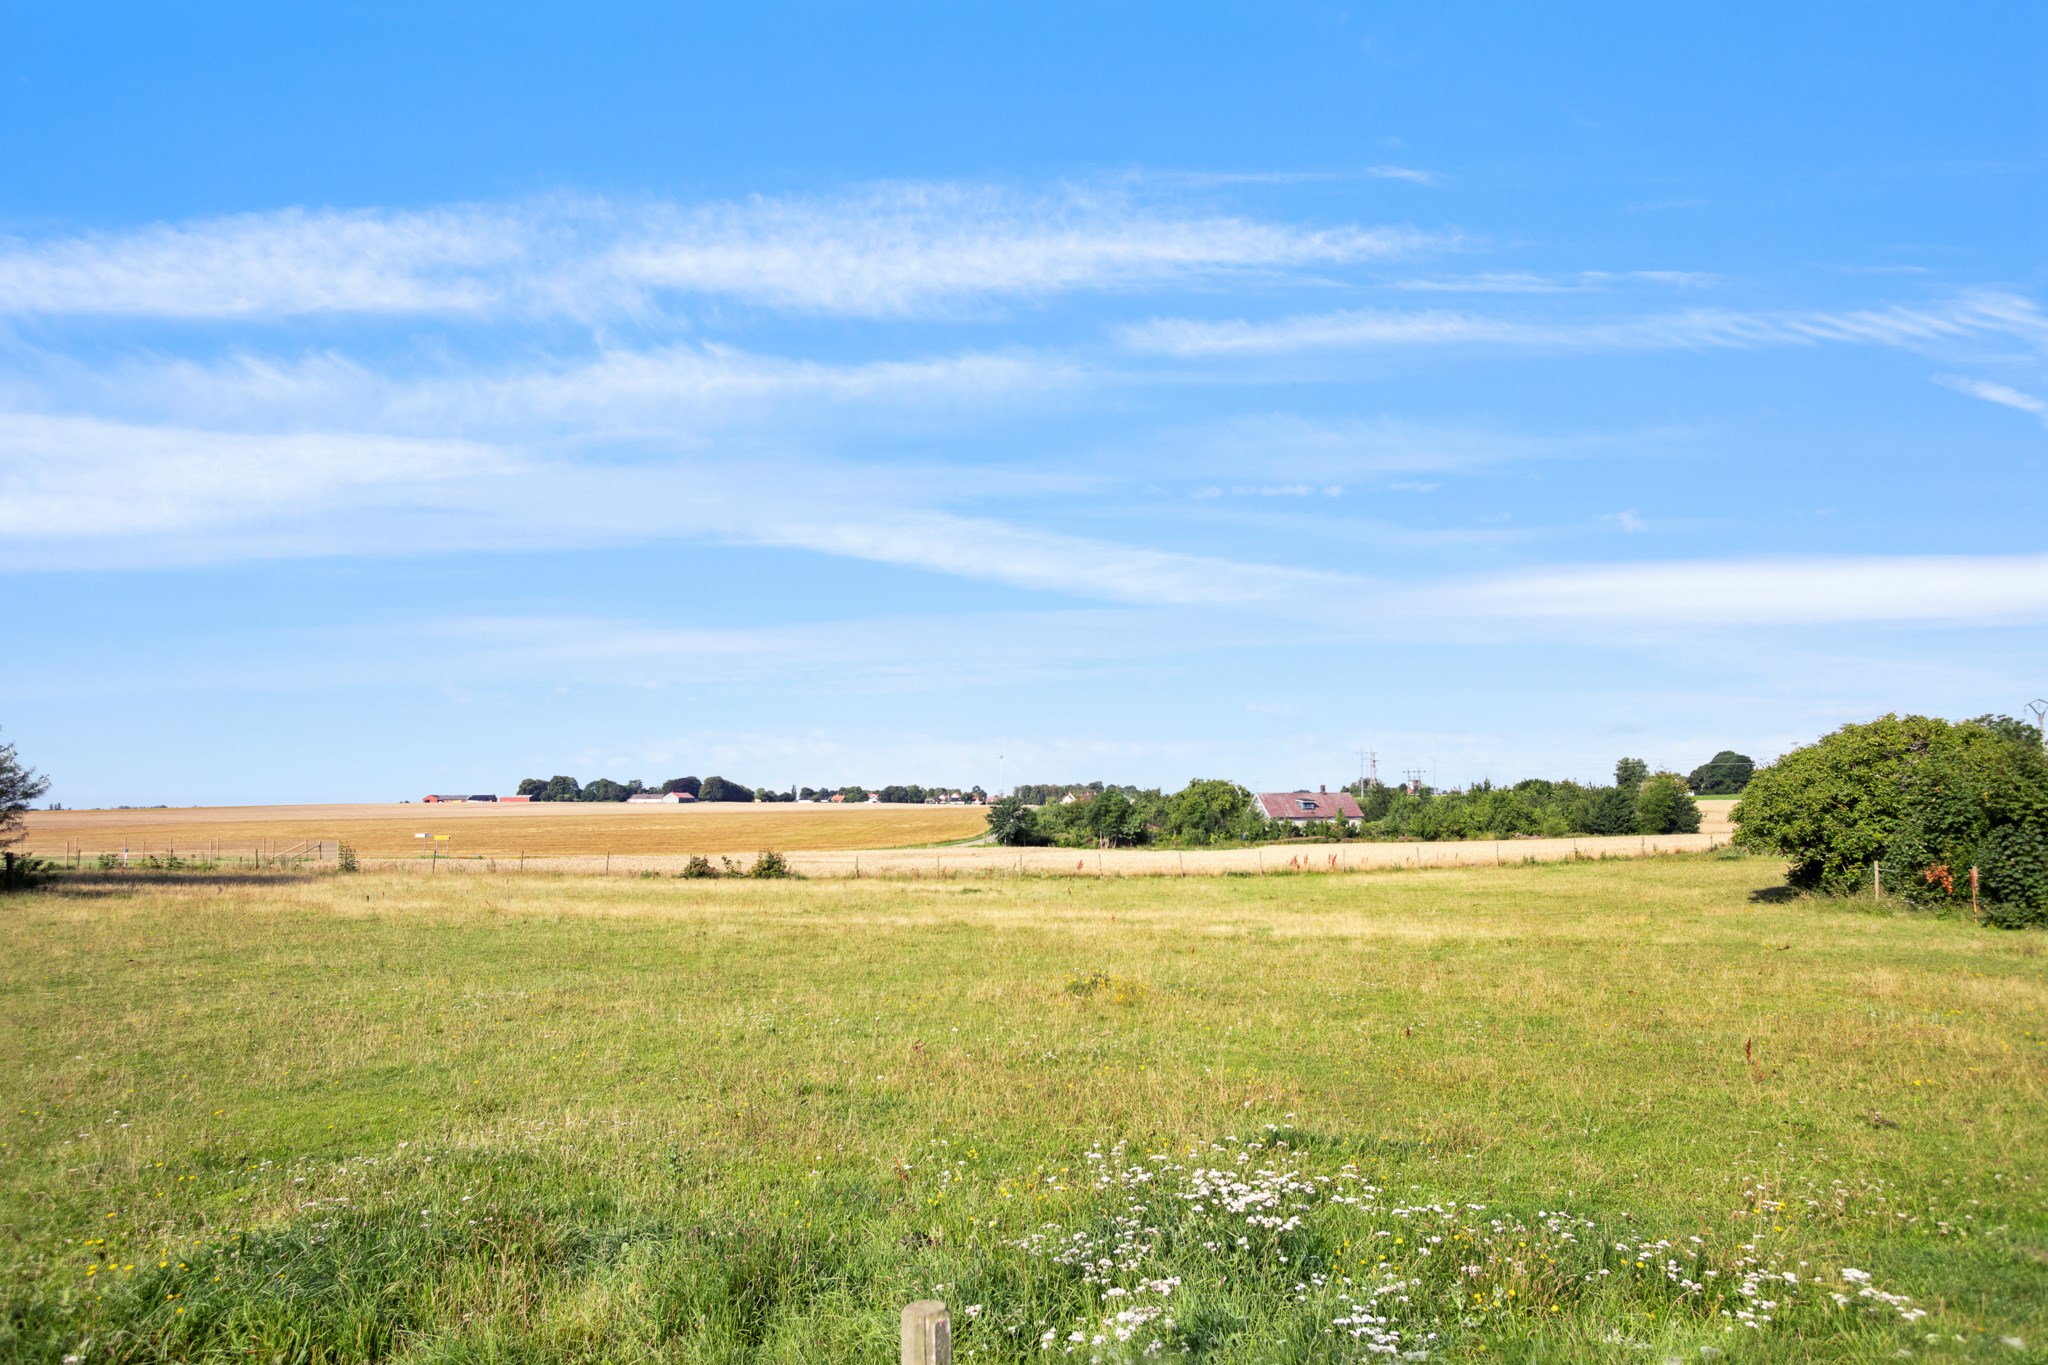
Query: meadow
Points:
[1579, 1111]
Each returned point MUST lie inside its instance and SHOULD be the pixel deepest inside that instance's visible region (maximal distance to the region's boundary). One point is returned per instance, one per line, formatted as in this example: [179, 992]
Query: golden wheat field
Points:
[497, 831]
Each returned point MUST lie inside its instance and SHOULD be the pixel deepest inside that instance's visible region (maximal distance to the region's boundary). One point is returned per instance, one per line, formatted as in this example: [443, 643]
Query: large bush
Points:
[1664, 806]
[1926, 798]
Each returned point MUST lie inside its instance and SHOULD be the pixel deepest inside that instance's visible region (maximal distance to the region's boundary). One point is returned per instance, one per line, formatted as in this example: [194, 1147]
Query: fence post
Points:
[1973, 897]
[927, 1334]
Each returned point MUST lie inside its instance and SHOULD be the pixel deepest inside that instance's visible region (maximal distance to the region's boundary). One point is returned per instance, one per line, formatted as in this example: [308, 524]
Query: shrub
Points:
[2012, 876]
[699, 867]
[1833, 806]
[20, 871]
[769, 864]
[345, 858]
[1926, 797]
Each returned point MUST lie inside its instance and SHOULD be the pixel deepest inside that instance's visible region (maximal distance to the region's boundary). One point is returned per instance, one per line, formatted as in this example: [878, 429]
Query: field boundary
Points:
[959, 861]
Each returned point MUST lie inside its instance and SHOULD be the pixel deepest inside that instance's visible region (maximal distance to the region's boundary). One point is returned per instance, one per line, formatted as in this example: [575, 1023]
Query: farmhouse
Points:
[1300, 808]
[660, 799]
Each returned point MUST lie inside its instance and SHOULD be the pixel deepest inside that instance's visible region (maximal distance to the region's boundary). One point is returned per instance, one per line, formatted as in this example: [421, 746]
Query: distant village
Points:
[690, 791]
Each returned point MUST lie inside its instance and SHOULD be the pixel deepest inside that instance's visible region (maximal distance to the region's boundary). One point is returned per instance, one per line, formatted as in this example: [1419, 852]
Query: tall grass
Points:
[376, 1117]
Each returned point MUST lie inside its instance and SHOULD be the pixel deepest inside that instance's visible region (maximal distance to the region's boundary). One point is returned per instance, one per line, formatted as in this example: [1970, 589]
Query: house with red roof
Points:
[1300, 808]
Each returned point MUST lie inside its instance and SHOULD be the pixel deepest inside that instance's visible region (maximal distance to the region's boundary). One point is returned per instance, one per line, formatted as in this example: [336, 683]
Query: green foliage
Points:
[561, 788]
[345, 858]
[1113, 819]
[719, 789]
[533, 787]
[2012, 866]
[1211, 809]
[1610, 810]
[20, 871]
[1833, 806]
[19, 785]
[604, 789]
[1010, 823]
[682, 784]
[1725, 774]
[1533, 808]
[1926, 797]
[771, 866]
[1664, 806]
[698, 868]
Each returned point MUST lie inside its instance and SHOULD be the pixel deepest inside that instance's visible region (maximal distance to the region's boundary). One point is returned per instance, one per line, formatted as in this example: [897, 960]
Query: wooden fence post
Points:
[927, 1334]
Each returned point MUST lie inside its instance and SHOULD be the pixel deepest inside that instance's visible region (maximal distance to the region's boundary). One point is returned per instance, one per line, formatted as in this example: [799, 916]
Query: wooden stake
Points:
[927, 1334]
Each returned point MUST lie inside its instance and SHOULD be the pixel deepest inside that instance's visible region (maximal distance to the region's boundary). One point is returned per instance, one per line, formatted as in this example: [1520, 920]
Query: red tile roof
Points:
[1308, 805]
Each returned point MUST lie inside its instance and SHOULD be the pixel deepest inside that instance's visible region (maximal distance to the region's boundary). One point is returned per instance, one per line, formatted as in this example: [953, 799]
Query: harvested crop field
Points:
[498, 831]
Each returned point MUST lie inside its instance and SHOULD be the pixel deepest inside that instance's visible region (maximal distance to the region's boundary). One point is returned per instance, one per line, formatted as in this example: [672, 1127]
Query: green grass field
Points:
[1614, 1111]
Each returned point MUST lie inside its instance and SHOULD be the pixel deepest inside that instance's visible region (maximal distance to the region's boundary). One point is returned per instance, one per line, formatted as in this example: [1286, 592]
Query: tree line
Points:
[1212, 811]
[564, 788]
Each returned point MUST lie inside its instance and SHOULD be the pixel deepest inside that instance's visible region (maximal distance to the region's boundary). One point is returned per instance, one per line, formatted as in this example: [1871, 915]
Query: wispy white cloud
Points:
[683, 392]
[1951, 590]
[1407, 173]
[72, 479]
[83, 491]
[1577, 282]
[889, 249]
[1699, 329]
[2000, 394]
[1286, 446]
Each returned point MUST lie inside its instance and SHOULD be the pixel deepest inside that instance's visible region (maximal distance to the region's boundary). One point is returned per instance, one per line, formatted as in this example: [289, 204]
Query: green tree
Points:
[562, 788]
[1630, 773]
[1208, 809]
[719, 789]
[1664, 806]
[682, 784]
[1011, 823]
[533, 787]
[19, 785]
[1725, 774]
[1610, 810]
[1113, 819]
[604, 789]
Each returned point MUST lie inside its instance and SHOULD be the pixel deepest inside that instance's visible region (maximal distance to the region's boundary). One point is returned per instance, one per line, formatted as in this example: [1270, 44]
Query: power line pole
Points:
[2040, 709]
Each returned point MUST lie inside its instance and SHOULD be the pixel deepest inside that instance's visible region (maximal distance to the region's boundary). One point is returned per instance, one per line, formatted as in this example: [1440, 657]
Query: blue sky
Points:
[397, 401]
